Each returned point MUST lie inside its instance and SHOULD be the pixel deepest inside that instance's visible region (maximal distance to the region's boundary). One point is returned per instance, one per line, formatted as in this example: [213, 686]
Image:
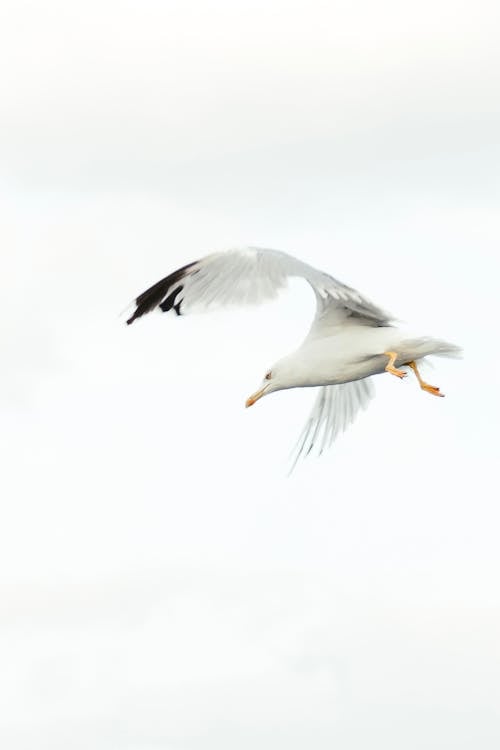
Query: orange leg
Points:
[390, 365]
[424, 386]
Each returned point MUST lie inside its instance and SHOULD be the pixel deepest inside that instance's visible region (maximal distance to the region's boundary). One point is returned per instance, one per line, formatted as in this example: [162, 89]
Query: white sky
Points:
[162, 583]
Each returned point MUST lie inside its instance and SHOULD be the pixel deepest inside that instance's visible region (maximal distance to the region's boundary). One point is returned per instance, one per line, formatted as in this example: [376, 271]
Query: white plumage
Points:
[349, 341]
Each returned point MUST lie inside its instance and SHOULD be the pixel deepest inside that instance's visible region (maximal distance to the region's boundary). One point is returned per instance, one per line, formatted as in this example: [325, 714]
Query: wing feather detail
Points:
[162, 294]
[334, 410]
[250, 276]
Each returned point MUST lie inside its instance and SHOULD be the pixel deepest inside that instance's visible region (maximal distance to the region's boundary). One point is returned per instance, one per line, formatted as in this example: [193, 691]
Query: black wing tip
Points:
[142, 308]
[163, 294]
[133, 317]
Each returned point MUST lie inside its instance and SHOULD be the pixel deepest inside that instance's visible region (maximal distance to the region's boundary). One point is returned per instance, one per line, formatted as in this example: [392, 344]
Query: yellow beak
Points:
[255, 397]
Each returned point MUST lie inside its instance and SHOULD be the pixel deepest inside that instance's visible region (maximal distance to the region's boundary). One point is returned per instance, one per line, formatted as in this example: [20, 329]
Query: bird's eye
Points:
[268, 375]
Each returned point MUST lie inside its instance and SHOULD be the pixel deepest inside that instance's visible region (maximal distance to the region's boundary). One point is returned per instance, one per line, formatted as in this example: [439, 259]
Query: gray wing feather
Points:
[250, 276]
[335, 408]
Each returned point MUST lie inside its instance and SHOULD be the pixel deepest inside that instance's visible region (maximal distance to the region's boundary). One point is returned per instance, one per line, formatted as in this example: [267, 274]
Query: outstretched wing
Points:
[250, 276]
[335, 408]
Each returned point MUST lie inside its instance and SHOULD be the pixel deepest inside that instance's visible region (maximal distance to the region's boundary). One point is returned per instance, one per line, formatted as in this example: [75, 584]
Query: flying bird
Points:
[349, 341]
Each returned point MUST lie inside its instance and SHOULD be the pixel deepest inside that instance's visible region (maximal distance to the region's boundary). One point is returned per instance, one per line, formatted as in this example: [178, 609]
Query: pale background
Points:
[163, 584]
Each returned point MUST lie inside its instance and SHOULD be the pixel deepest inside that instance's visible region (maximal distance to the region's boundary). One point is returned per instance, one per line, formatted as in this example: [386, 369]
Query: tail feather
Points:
[426, 347]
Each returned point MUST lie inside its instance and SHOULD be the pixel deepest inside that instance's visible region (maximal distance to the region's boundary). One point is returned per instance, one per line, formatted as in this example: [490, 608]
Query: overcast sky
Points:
[163, 584]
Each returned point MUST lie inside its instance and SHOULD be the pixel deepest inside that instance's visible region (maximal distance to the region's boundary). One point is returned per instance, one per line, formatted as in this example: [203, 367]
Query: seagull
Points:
[350, 339]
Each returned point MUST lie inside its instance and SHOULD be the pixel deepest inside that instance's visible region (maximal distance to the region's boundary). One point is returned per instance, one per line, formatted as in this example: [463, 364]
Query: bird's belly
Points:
[354, 357]
[356, 370]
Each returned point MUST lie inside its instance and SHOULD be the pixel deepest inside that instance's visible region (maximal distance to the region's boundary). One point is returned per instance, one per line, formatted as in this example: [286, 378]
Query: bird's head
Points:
[297, 370]
[275, 379]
